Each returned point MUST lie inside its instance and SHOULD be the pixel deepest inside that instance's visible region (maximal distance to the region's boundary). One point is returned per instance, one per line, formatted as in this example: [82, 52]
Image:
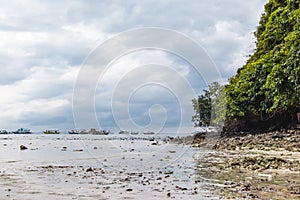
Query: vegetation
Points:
[265, 93]
[204, 104]
[210, 107]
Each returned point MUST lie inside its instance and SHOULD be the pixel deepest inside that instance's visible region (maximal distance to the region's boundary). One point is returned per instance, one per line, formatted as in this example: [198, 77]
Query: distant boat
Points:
[77, 131]
[124, 132]
[98, 132]
[149, 133]
[128, 132]
[3, 132]
[22, 131]
[51, 132]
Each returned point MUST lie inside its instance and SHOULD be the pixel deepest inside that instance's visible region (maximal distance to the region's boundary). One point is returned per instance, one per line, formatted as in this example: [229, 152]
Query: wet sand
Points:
[98, 167]
[251, 166]
[265, 166]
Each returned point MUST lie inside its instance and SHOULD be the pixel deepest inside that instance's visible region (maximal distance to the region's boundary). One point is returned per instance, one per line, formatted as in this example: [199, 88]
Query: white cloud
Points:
[44, 94]
[234, 44]
[137, 81]
[44, 43]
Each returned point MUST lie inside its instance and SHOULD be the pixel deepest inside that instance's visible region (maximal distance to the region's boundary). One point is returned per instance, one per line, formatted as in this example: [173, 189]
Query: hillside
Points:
[265, 93]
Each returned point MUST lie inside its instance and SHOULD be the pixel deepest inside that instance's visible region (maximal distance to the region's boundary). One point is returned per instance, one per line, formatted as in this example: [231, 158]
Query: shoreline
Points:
[263, 166]
[92, 167]
[257, 166]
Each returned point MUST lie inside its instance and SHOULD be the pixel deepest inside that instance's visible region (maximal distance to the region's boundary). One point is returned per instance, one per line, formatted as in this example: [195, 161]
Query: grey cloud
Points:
[54, 38]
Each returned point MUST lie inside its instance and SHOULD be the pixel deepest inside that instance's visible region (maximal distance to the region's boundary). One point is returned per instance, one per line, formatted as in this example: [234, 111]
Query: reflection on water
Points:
[98, 167]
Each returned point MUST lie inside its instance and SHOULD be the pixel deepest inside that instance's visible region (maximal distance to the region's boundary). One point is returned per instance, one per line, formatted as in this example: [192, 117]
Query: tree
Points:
[204, 105]
[265, 93]
[202, 108]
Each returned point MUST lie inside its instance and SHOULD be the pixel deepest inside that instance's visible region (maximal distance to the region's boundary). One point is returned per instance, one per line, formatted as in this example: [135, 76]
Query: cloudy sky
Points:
[45, 44]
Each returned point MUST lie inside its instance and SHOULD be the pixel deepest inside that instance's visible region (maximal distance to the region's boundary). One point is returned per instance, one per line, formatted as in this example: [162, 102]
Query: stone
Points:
[22, 147]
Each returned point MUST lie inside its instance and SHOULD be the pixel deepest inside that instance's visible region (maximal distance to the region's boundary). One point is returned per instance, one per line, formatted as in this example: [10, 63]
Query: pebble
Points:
[89, 169]
[22, 147]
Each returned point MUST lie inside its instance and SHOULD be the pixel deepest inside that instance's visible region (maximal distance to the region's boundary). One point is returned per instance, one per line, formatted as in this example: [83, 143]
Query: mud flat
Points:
[98, 167]
[264, 166]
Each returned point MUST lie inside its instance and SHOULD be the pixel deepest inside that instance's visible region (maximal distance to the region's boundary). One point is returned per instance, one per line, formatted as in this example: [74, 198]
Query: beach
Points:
[98, 167]
[259, 166]
[241, 165]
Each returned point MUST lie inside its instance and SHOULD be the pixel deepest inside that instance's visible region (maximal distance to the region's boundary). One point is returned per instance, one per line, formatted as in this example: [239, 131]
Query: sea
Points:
[64, 166]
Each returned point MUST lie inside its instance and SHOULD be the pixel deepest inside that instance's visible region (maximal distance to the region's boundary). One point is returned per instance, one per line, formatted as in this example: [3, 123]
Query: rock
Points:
[181, 188]
[89, 169]
[22, 147]
[78, 150]
[168, 194]
[263, 163]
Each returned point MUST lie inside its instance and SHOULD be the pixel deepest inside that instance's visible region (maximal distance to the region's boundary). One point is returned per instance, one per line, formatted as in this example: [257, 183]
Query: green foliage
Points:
[218, 115]
[202, 108]
[208, 105]
[268, 86]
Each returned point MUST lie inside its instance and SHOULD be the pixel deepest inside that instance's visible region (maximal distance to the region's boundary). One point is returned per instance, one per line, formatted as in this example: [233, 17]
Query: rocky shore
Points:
[288, 140]
[251, 166]
[245, 166]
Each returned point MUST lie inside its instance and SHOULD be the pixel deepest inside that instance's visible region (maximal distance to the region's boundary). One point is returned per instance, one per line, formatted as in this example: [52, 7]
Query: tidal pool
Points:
[99, 167]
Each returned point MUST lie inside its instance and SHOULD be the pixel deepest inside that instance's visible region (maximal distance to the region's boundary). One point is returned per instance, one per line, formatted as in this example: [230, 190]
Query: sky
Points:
[46, 45]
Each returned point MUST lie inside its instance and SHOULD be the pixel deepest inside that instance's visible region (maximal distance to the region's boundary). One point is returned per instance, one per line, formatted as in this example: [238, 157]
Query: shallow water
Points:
[98, 167]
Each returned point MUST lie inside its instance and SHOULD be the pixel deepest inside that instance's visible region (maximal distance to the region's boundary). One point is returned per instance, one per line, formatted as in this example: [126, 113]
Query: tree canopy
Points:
[265, 92]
